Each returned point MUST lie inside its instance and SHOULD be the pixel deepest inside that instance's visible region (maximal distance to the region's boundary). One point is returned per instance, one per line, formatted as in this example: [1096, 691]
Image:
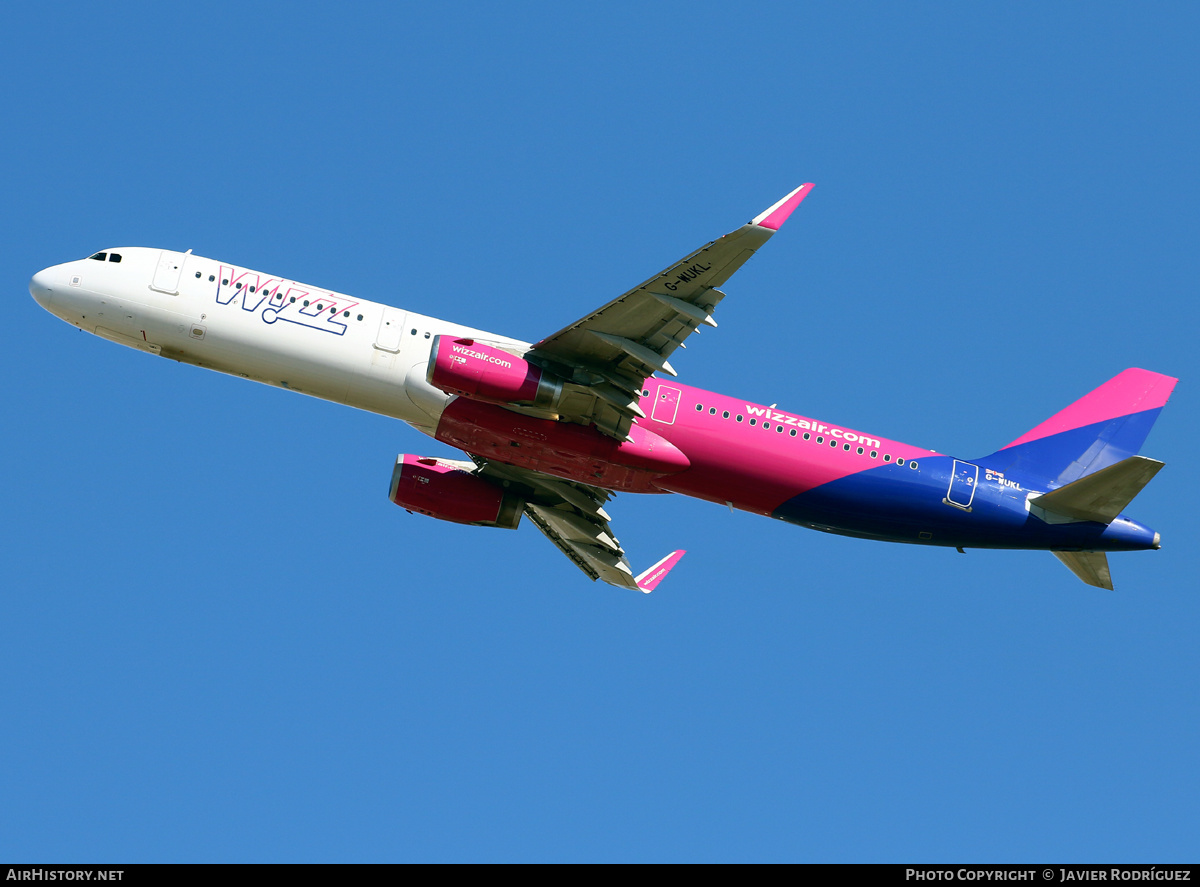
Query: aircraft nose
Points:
[40, 287]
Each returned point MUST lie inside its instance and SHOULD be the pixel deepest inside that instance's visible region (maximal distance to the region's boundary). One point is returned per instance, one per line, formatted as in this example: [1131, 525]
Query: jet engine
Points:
[484, 372]
[452, 491]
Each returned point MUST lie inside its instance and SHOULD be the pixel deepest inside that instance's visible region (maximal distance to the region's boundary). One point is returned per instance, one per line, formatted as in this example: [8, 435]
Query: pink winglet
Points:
[1132, 391]
[777, 214]
[649, 580]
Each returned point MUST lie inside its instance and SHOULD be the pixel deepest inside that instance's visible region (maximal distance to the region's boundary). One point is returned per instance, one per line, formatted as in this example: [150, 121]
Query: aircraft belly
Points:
[563, 449]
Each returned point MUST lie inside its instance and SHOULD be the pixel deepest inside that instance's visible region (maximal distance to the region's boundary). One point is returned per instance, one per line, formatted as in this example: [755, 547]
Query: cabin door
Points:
[962, 485]
[666, 405]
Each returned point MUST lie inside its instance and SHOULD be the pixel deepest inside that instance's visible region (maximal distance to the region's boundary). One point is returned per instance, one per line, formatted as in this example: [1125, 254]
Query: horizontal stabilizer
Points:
[1102, 495]
[1090, 566]
[649, 580]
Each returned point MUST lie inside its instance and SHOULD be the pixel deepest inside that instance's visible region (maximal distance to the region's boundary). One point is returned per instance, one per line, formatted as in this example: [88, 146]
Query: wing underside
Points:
[572, 516]
[612, 351]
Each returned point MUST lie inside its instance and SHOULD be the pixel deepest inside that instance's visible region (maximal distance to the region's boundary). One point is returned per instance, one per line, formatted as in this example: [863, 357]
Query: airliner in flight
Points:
[552, 429]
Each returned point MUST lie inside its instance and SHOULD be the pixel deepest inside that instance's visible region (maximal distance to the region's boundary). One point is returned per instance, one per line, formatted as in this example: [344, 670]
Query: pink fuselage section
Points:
[692, 441]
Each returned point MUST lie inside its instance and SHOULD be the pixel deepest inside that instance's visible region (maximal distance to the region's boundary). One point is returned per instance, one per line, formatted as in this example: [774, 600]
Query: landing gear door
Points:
[963, 480]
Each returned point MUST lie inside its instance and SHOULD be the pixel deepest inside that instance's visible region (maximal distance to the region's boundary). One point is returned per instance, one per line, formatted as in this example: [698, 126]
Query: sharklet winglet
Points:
[649, 580]
[776, 214]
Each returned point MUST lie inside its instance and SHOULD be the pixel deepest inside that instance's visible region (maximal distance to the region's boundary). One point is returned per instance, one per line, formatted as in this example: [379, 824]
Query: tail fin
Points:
[1098, 430]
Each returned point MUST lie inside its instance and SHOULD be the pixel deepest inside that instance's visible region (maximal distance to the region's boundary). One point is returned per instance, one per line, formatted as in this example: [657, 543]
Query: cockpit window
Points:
[99, 257]
[114, 257]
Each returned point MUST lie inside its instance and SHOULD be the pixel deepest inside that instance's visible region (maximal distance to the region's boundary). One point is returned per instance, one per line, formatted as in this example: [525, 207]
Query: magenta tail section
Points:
[1100, 429]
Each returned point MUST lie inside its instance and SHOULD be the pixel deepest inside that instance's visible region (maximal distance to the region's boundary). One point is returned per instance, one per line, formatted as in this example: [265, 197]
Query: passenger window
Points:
[899, 461]
[820, 440]
[807, 436]
[860, 451]
[792, 432]
[846, 447]
[874, 453]
[887, 458]
[360, 317]
[912, 465]
[197, 275]
[699, 407]
[211, 278]
[712, 411]
[739, 417]
[725, 415]
[753, 421]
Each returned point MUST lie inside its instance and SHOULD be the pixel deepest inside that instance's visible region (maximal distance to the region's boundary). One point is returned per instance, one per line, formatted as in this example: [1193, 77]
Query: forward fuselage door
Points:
[963, 480]
[166, 273]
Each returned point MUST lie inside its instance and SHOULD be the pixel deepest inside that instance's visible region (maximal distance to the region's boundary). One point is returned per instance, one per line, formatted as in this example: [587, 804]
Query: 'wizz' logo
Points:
[277, 299]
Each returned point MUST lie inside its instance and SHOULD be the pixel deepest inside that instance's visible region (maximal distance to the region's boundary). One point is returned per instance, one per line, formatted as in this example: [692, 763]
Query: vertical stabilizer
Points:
[1098, 430]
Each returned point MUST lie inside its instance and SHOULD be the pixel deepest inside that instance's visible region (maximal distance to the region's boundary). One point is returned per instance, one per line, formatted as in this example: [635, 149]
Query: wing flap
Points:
[572, 516]
[590, 545]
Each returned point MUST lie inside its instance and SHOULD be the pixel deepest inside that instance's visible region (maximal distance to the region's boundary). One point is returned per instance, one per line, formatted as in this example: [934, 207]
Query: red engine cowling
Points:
[451, 491]
[482, 372]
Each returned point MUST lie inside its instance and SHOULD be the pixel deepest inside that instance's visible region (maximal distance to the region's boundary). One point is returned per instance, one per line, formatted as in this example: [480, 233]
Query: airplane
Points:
[553, 429]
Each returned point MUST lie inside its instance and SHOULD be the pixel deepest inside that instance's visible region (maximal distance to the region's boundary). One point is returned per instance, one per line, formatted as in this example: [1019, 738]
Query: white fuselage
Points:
[256, 326]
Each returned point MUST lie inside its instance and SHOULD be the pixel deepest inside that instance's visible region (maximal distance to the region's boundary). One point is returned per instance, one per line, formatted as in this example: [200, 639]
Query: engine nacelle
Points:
[484, 372]
[452, 491]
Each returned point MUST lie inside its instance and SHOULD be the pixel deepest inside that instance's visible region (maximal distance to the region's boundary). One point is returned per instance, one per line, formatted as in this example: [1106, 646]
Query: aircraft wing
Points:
[611, 352]
[572, 516]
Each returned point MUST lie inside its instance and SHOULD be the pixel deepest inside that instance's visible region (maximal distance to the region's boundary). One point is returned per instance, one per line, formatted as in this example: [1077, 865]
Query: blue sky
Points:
[223, 643]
